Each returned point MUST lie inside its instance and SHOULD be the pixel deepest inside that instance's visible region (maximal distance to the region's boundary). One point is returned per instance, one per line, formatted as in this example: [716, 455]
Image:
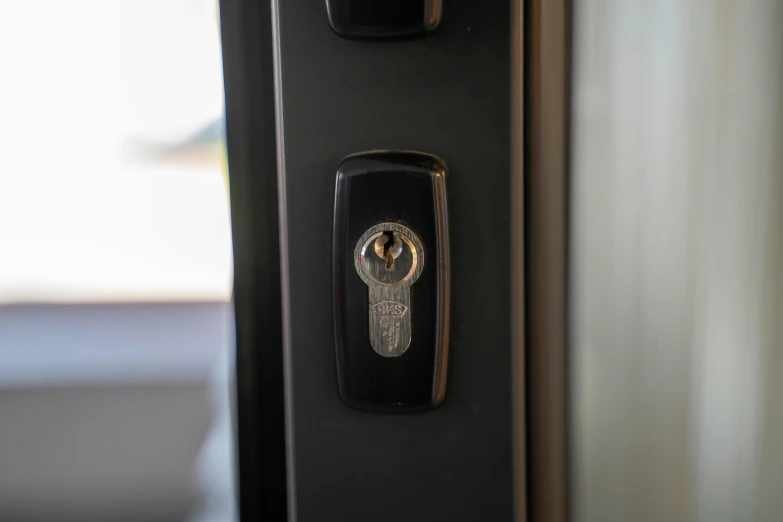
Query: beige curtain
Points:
[676, 275]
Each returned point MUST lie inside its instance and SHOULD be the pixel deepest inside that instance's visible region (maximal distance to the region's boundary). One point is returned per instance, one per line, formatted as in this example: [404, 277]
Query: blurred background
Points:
[116, 327]
[676, 256]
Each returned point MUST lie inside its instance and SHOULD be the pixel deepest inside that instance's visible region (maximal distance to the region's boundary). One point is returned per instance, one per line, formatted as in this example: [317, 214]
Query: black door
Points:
[306, 87]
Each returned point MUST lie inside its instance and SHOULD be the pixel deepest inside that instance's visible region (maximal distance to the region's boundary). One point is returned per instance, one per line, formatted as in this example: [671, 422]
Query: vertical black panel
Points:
[449, 95]
[250, 130]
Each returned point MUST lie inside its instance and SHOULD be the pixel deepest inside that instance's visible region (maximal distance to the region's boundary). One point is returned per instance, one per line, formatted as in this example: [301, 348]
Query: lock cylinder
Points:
[389, 272]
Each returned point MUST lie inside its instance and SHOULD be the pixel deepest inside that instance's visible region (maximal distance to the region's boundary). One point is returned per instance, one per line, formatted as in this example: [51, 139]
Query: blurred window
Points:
[114, 213]
[113, 181]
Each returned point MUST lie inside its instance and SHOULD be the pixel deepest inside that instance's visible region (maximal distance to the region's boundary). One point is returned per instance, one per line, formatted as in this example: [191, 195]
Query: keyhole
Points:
[389, 247]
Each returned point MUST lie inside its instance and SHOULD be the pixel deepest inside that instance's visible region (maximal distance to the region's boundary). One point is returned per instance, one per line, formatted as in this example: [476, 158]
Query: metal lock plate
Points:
[389, 258]
[391, 281]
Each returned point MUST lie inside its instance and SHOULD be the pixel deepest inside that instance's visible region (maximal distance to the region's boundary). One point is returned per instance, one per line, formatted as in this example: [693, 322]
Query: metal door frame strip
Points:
[547, 120]
[518, 378]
